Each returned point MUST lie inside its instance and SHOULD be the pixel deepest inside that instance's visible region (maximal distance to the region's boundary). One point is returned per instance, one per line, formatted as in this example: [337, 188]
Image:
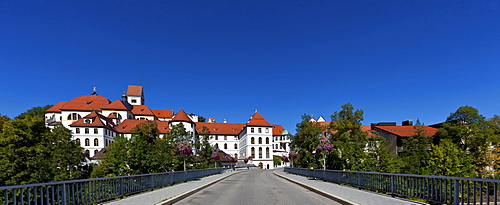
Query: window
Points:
[252, 153]
[267, 152]
[267, 140]
[267, 130]
[216, 145]
[77, 131]
[252, 141]
[251, 130]
[225, 137]
[78, 141]
[260, 152]
[95, 151]
[134, 101]
[87, 121]
[74, 116]
[96, 131]
[260, 130]
[87, 142]
[235, 146]
[118, 115]
[260, 140]
[225, 146]
[236, 156]
[216, 137]
[96, 142]
[86, 130]
[87, 153]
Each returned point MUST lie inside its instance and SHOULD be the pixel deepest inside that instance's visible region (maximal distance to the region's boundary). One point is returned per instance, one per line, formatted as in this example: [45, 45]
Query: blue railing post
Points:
[359, 180]
[392, 184]
[64, 194]
[456, 197]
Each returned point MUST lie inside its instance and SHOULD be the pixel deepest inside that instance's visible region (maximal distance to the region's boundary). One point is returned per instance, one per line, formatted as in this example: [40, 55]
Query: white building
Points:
[95, 121]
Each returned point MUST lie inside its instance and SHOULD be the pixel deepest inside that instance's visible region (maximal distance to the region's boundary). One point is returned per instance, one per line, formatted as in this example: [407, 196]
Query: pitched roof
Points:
[86, 103]
[97, 121]
[371, 133]
[112, 116]
[134, 90]
[407, 130]
[127, 125]
[116, 105]
[57, 107]
[278, 130]
[163, 113]
[142, 110]
[181, 116]
[258, 120]
[220, 128]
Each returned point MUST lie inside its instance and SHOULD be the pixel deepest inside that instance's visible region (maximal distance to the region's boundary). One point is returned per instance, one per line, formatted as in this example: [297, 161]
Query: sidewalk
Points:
[343, 194]
[170, 193]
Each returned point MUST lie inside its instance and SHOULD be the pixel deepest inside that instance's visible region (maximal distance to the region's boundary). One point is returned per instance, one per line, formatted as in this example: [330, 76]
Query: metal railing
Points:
[88, 191]
[438, 189]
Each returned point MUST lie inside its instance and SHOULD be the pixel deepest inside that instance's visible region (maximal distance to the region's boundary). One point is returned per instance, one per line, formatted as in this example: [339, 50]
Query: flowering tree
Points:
[184, 149]
[324, 147]
[293, 155]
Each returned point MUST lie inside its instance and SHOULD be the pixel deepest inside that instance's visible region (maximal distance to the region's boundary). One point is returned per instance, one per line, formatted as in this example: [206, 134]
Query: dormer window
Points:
[134, 101]
[88, 121]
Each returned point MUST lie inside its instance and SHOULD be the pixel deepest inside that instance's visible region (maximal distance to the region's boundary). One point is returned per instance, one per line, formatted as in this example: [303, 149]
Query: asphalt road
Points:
[255, 187]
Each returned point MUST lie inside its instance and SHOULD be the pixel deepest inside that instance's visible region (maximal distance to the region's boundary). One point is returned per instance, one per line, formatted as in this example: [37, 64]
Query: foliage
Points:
[472, 133]
[3, 119]
[31, 153]
[276, 161]
[416, 153]
[305, 142]
[34, 111]
[447, 159]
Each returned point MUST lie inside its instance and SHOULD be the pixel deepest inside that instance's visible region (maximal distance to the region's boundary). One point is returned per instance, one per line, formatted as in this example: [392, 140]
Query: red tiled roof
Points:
[181, 116]
[127, 125]
[97, 121]
[258, 120]
[368, 128]
[134, 90]
[407, 130]
[57, 107]
[142, 110]
[86, 103]
[116, 105]
[278, 130]
[220, 128]
[163, 113]
[112, 116]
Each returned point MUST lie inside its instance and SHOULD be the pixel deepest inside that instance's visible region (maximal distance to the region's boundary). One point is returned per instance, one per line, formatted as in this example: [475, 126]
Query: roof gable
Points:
[142, 110]
[163, 113]
[181, 116]
[258, 120]
[97, 121]
[116, 105]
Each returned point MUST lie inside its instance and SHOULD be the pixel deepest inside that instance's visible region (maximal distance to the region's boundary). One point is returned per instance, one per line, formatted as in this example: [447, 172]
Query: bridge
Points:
[280, 186]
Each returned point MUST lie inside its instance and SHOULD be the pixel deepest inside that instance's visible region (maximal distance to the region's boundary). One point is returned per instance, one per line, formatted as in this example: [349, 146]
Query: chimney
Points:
[407, 123]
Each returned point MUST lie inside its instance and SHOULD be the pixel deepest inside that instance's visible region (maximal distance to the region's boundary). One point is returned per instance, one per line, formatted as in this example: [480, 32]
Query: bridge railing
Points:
[88, 191]
[438, 189]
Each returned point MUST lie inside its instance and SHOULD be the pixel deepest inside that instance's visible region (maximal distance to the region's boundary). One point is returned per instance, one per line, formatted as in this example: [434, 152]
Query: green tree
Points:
[447, 159]
[34, 111]
[204, 149]
[349, 140]
[3, 119]
[305, 142]
[115, 162]
[142, 148]
[416, 153]
[471, 132]
[31, 153]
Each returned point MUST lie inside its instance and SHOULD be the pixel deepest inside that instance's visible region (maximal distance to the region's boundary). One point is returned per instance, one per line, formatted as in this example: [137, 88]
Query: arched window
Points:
[252, 141]
[260, 140]
[252, 153]
[267, 130]
[96, 131]
[225, 137]
[74, 116]
[267, 140]
[87, 142]
[216, 145]
[225, 145]
[267, 152]
[86, 130]
[260, 152]
[118, 115]
[77, 130]
[78, 142]
[95, 152]
[235, 146]
[251, 130]
[87, 153]
[96, 142]
[260, 130]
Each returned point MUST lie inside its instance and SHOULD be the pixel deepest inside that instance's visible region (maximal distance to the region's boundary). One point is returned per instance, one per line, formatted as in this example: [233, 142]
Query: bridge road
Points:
[255, 187]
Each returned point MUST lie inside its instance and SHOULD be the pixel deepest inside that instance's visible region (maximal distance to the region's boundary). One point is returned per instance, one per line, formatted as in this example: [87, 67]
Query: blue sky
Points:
[395, 60]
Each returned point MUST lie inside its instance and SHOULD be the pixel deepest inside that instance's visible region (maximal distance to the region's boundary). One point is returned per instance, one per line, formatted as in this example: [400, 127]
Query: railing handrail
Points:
[93, 179]
[409, 175]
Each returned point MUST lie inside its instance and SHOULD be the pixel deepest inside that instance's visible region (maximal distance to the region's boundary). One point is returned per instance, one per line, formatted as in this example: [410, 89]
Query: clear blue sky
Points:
[395, 60]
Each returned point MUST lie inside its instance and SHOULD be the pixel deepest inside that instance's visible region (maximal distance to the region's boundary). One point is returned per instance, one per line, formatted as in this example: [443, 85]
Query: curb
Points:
[320, 192]
[189, 193]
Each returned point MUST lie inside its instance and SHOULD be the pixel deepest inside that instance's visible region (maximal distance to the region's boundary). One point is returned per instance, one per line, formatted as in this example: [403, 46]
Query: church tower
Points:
[135, 95]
